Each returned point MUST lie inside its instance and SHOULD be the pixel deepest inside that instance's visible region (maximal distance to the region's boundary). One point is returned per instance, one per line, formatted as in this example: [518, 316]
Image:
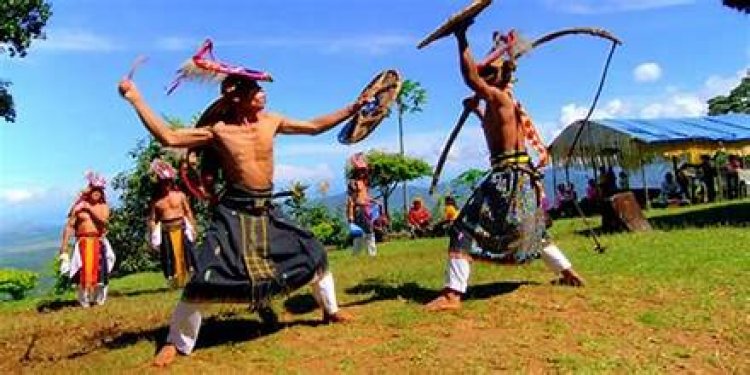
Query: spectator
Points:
[733, 177]
[670, 192]
[380, 221]
[708, 173]
[419, 219]
[450, 214]
[590, 203]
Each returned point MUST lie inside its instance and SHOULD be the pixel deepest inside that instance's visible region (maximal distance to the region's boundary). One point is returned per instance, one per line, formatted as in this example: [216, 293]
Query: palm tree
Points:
[410, 99]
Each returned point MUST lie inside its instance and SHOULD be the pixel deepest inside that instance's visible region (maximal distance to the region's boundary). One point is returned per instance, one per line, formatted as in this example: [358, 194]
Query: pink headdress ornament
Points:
[203, 66]
[162, 170]
[358, 161]
[96, 180]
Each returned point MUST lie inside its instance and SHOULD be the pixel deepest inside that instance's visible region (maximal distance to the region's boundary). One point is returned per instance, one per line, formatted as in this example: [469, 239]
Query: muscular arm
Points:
[469, 67]
[164, 134]
[317, 125]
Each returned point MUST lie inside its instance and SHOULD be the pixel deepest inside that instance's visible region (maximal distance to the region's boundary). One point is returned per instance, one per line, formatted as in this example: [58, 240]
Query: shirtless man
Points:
[251, 251]
[92, 259]
[504, 214]
[359, 206]
[171, 225]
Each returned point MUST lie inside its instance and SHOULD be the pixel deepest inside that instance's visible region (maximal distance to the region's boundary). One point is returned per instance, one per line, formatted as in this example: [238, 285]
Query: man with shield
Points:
[504, 214]
[251, 251]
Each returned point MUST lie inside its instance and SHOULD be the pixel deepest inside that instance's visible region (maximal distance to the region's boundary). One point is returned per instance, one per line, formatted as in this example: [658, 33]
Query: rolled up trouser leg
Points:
[457, 273]
[372, 249]
[555, 259]
[324, 292]
[184, 326]
[358, 243]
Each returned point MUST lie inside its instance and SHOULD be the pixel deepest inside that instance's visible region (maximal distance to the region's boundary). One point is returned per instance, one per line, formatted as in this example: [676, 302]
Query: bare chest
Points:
[243, 139]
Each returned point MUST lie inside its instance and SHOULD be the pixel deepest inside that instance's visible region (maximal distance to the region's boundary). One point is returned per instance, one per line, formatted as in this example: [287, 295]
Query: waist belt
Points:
[251, 199]
[519, 161]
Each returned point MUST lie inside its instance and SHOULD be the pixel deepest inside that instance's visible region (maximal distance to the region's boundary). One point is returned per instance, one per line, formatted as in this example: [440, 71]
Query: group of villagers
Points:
[250, 251]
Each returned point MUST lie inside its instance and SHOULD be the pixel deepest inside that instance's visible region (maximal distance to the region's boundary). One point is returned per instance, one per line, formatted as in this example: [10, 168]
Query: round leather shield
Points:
[447, 28]
[382, 91]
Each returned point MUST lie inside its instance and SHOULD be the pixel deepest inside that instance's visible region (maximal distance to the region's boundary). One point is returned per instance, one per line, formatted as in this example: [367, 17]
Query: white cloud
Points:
[363, 44]
[674, 102]
[572, 112]
[15, 196]
[610, 6]
[647, 72]
[76, 40]
[718, 85]
[677, 105]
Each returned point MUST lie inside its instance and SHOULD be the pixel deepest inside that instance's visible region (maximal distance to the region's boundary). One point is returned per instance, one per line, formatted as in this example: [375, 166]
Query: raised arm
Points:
[322, 123]
[317, 125]
[167, 136]
[469, 67]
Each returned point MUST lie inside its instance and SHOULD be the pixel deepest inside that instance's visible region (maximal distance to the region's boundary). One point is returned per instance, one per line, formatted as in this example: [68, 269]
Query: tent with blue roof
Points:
[631, 142]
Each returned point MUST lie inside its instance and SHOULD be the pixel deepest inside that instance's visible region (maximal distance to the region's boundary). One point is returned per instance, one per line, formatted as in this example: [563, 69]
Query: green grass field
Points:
[675, 300]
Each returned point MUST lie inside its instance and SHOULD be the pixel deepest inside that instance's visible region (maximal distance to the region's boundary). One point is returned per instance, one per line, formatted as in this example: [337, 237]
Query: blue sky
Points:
[677, 54]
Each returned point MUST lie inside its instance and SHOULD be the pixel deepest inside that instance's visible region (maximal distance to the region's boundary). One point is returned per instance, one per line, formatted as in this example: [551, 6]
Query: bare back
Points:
[502, 129]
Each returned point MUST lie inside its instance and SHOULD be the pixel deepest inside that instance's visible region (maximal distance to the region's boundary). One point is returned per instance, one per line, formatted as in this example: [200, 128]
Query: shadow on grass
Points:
[214, 331]
[48, 306]
[736, 215]
[416, 293]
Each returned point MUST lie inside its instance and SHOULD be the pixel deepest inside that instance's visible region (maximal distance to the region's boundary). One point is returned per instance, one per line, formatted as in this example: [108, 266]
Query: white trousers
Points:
[458, 270]
[365, 241]
[187, 316]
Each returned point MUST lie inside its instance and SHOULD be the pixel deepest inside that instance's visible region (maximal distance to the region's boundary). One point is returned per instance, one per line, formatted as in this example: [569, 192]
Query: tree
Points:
[327, 226]
[21, 21]
[738, 100]
[740, 5]
[127, 229]
[467, 180]
[387, 170]
[410, 99]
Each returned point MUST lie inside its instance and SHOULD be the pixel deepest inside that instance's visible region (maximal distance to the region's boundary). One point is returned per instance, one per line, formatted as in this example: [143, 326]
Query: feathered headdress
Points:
[162, 170]
[203, 66]
[358, 161]
[95, 180]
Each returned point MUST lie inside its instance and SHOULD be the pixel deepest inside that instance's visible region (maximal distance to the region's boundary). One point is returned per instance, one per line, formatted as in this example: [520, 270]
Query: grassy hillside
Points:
[669, 301]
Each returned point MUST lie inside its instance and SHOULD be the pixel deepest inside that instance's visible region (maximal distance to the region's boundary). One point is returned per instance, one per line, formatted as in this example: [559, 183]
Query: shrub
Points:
[17, 283]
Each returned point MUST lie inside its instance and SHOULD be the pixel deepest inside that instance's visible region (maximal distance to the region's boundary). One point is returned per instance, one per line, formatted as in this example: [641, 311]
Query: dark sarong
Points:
[362, 217]
[176, 253]
[251, 252]
[503, 215]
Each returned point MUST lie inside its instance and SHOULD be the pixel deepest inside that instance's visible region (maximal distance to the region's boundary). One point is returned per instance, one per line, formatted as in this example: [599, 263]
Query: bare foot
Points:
[570, 278]
[337, 317]
[166, 356]
[447, 301]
